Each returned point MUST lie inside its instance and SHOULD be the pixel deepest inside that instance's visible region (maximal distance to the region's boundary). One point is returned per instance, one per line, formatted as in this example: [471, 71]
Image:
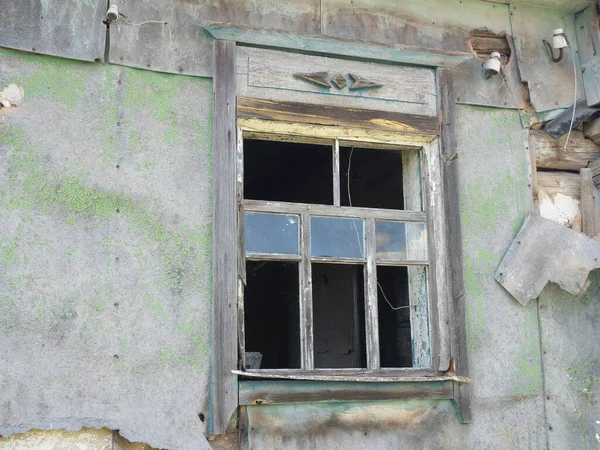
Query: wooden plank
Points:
[590, 213]
[588, 44]
[456, 307]
[551, 154]
[351, 48]
[277, 75]
[223, 396]
[69, 29]
[560, 125]
[306, 300]
[244, 429]
[542, 252]
[336, 173]
[337, 116]
[591, 130]
[371, 299]
[286, 392]
[353, 372]
[595, 167]
[565, 183]
[333, 211]
[312, 375]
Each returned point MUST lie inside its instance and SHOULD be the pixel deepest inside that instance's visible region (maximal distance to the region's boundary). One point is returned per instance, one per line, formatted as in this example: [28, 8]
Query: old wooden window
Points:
[337, 255]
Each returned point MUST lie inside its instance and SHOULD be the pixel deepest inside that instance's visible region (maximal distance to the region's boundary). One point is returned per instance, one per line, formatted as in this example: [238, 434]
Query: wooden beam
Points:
[595, 166]
[371, 299]
[223, 396]
[313, 375]
[306, 299]
[457, 307]
[337, 116]
[561, 124]
[565, 183]
[336, 47]
[590, 214]
[282, 392]
[551, 154]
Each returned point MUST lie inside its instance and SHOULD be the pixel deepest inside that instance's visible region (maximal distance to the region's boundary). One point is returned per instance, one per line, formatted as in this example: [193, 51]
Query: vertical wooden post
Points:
[307, 352]
[371, 305]
[336, 173]
[590, 219]
[223, 397]
[456, 310]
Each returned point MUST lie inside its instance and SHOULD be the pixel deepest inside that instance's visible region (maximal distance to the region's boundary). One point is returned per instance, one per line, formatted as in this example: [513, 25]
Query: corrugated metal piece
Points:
[68, 28]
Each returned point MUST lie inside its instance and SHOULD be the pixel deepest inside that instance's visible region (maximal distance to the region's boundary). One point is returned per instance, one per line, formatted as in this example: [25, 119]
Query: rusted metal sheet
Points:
[550, 83]
[67, 28]
[543, 252]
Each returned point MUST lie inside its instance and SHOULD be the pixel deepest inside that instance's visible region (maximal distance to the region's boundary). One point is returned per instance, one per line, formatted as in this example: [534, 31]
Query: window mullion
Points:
[336, 172]
[306, 304]
[371, 307]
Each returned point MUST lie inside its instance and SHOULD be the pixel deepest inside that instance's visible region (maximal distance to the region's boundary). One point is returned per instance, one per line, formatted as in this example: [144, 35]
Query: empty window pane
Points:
[337, 237]
[405, 241]
[271, 233]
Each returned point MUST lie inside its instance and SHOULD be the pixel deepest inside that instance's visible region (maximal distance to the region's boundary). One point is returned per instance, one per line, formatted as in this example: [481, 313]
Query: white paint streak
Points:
[559, 208]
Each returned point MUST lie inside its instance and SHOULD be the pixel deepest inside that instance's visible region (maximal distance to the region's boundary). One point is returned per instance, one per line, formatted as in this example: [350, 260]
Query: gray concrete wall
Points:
[105, 212]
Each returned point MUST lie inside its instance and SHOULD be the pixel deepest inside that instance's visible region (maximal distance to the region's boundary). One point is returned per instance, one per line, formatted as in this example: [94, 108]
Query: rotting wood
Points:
[551, 154]
[591, 130]
[590, 214]
[285, 392]
[354, 372]
[484, 42]
[371, 301]
[542, 252]
[565, 183]
[560, 125]
[306, 298]
[457, 307]
[595, 166]
[337, 116]
[367, 379]
[223, 396]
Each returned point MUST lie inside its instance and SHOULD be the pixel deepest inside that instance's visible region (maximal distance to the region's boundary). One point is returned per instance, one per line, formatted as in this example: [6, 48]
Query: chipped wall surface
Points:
[105, 200]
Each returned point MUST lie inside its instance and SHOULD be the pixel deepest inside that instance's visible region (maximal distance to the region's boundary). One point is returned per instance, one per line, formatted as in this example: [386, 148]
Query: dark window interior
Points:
[375, 178]
[288, 172]
[395, 344]
[271, 313]
[339, 316]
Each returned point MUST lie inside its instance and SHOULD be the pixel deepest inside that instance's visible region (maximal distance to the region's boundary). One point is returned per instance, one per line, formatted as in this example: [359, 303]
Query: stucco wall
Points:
[105, 201]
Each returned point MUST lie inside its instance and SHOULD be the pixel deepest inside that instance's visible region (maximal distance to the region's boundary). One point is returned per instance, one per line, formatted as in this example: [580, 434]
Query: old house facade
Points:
[299, 224]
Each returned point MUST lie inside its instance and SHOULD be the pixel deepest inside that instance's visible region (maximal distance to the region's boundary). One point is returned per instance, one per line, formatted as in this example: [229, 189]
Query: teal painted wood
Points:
[277, 392]
[338, 47]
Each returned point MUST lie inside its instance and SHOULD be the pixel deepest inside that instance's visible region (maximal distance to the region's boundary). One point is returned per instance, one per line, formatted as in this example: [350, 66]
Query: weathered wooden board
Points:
[337, 116]
[595, 166]
[561, 124]
[565, 183]
[163, 37]
[271, 75]
[543, 252]
[590, 206]
[271, 392]
[456, 308]
[313, 375]
[223, 396]
[591, 130]
[66, 28]
[550, 84]
[588, 42]
[551, 154]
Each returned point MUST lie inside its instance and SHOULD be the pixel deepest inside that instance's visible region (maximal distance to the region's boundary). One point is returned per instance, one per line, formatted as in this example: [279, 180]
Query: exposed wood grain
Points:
[354, 372]
[371, 303]
[595, 167]
[551, 154]
[484, 45]
[456, 308]
[352, 48]
[244, 429]
[336, 173]
[338, 116]
[591, 130]
[565, 183]
[560, 125]
[333, 211]
[282, 392]
[225, 249]
[590, 213]
[306, 298]
[588, 44]
[311, 375]
[542, 252]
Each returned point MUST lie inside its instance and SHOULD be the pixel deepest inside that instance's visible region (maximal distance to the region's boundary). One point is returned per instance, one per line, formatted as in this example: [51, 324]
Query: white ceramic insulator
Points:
[558, 40]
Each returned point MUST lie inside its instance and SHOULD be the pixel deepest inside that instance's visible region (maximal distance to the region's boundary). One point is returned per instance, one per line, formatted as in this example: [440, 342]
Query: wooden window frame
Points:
[434, 134]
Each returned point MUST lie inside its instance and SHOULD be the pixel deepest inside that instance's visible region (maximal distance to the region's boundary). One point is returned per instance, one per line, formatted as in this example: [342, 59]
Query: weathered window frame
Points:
[449, 355]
